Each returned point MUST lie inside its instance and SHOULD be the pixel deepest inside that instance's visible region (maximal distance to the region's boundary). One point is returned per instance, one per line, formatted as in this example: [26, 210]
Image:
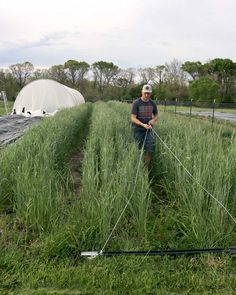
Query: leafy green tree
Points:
[204, 90]
[8, 84]
[104, 72]
[77, 70]
[135, 91]
[194, 68]
[224, 72]
[159, 70]
[57, 72]
[72, 67]
[83, 68]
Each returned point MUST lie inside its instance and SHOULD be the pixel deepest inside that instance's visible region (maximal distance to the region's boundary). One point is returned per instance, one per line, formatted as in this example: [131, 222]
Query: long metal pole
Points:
[191, 104]
[213, 112]
[175, 105]
[186, 252]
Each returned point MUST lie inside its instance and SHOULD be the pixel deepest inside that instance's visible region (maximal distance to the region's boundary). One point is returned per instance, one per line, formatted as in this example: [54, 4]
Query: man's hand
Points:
[151, 122]
[147, 126]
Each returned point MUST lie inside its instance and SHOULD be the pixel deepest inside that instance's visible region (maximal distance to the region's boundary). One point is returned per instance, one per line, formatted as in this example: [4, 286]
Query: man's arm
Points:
[154, 115]
[154, 120]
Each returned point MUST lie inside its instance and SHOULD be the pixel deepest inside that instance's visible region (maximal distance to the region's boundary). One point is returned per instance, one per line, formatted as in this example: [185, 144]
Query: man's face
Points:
[146, 95]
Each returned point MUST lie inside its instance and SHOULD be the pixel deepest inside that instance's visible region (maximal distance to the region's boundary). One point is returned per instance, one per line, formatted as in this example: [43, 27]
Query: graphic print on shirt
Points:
[145, 112]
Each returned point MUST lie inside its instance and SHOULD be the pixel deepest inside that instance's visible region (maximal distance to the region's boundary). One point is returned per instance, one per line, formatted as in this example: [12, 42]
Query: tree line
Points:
[215, 79]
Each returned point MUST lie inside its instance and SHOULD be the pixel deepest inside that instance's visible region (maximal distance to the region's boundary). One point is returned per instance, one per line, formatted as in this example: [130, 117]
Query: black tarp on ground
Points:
[13, 126]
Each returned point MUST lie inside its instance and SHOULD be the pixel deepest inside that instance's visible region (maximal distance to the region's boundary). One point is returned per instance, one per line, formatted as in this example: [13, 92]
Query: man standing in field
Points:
[144, 115]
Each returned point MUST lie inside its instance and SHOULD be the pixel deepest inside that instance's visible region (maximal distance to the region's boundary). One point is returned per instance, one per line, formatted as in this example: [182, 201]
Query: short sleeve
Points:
[155, 110]
[134, 110]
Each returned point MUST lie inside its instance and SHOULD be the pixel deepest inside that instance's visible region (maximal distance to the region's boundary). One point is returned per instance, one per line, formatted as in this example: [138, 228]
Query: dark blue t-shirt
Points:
[144, 111]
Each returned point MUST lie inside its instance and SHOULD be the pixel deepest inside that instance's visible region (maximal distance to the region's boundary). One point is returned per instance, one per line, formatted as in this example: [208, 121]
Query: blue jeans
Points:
[148, 143]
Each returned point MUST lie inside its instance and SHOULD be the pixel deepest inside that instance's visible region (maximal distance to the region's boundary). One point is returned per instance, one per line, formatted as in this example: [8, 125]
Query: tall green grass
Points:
[3, 109]
[34, 176]
[211, 160]
[210, 156]
[108, 172]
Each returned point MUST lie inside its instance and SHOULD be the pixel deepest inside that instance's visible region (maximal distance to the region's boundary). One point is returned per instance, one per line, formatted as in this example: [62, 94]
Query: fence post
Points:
[213, 112]
[191, 104]
[175, 105]
[165, 105]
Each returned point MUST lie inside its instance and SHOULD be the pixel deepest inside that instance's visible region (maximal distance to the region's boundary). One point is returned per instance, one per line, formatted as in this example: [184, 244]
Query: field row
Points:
[77, 182]
[165, 208]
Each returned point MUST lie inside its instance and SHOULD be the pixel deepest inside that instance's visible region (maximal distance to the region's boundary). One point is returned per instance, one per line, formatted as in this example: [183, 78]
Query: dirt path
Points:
[75, 167]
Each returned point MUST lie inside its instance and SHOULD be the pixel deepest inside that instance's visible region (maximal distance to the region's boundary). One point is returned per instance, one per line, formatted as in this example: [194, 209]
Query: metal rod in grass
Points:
[173, 253]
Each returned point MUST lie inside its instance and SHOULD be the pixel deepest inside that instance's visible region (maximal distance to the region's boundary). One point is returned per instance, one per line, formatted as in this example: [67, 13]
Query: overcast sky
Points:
[130, 33]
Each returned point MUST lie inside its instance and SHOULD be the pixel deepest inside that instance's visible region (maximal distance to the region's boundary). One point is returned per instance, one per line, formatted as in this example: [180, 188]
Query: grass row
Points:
[195, 218]
[34, 178]
[109, 169]
[110, 158]
[211, 159]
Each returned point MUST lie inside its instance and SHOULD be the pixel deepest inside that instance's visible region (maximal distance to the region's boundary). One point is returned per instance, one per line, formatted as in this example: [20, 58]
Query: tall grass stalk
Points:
[109, 169]
[211, 160]
[210, 156]
[34, 173]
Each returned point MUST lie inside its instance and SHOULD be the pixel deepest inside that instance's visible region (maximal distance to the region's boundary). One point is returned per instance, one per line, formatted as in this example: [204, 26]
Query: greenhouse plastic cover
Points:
[45, 97]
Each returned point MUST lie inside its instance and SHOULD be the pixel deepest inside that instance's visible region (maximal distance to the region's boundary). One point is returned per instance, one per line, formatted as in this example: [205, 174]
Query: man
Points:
[144, 115]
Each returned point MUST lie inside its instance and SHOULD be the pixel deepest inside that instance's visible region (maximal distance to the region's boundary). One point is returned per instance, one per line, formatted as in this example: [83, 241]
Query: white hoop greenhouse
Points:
[45, 97]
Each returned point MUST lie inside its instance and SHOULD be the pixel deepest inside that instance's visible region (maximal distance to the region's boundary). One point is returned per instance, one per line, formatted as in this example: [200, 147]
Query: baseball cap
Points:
[147, 88]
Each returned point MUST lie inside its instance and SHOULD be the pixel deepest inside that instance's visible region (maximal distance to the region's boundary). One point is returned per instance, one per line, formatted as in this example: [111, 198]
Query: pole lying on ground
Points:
[187, 252]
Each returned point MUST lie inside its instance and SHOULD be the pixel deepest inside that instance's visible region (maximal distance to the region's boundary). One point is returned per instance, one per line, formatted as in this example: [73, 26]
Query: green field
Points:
[64, 187]
[196, 109]
[2, 107]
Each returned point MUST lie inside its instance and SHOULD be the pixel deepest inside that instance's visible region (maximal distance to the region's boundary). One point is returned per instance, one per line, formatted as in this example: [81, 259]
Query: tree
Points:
[77, 70]
[193, 68]
[21, 72]
[83, 68]
[72, 66]
[147, 75]
[204, 89]
[224, 72]
[159, 73]
[8, 84]
[57, 72]
[104, 72]
[174, 75]
[175, 80]
[125, 78]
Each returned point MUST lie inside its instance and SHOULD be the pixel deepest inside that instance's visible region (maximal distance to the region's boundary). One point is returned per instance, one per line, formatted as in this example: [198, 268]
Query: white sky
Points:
[130, 33]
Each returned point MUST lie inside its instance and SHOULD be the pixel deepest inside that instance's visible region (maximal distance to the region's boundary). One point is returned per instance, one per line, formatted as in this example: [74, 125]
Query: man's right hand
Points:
[147, 126]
